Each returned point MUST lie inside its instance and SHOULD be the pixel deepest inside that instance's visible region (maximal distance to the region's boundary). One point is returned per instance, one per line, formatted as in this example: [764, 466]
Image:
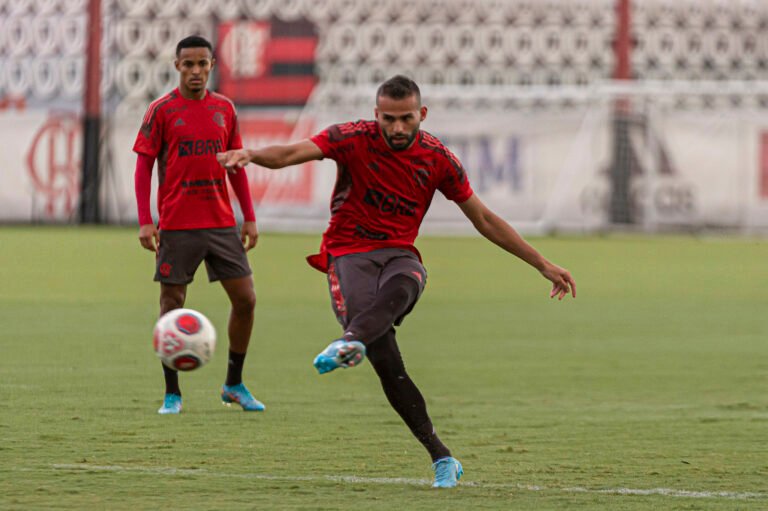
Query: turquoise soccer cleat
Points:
[171, 404]
[448, 471]
[241, 395]
[340, 353]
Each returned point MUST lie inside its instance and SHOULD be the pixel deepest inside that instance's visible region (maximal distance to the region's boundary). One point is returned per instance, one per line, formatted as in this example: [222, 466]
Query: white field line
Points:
[171, 471]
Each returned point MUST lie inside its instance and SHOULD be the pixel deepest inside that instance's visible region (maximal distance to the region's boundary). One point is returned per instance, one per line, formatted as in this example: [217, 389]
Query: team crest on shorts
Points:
[165, 269]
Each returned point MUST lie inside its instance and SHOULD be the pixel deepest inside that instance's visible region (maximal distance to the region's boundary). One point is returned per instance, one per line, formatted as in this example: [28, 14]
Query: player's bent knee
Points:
[244, 304]
[402, 290]
[170, 300]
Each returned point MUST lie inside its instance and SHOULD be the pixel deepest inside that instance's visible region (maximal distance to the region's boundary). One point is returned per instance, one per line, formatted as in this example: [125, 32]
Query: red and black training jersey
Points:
[381, 195]
[185, 135]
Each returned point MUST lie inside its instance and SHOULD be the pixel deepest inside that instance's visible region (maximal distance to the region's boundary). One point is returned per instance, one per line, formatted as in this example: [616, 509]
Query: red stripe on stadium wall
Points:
[293, 49]
[287, 90]
[763, 177]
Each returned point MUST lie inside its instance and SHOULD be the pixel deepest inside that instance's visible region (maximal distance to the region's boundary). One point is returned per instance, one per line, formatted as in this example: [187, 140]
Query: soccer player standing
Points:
[184, 130]
[388, 172]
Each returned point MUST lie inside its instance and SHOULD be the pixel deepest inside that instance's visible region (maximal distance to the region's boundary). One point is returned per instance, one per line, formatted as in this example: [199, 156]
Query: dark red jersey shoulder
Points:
[339, 132]
[157, 105]
[432, 143]
[221, 98]
[153, 109]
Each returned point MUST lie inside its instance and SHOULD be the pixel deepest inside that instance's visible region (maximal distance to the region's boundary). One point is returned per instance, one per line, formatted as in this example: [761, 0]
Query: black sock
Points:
[429, 439]
[392, 301]
[403, 394]
[171, 380]
[235, 368]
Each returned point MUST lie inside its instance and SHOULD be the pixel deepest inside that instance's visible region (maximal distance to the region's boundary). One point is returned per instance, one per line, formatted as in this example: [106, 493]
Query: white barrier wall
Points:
[538, 162]
[39, 166]
[540, 170]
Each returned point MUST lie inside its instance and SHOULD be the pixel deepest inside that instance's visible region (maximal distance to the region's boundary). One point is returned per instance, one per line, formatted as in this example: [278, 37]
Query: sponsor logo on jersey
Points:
[197, 183]
[200, 147]
[389, 203]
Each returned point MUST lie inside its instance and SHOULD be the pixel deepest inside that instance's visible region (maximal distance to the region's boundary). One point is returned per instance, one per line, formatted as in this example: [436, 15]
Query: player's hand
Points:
[249, 235]
[234, 159]
[149, 237]
[562, 282]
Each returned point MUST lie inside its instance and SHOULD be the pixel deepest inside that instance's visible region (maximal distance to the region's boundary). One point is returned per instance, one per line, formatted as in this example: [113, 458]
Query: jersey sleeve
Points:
[338, 140]
[150, 137]
[143, 187]
[234, 142]
[454, 183]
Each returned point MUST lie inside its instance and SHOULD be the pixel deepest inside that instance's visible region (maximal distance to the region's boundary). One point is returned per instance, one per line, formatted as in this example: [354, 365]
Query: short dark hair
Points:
[399, 87]
[193, 41]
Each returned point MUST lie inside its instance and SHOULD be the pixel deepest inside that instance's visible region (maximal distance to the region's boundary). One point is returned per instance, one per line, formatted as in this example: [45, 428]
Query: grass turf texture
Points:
[654, 377]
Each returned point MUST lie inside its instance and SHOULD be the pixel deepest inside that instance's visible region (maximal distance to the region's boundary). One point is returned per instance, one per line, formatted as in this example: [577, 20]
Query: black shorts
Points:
[181, 252]
[355, 279]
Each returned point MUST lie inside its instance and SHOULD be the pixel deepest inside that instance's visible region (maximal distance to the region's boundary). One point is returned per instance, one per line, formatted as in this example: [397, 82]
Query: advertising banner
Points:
[541, 171]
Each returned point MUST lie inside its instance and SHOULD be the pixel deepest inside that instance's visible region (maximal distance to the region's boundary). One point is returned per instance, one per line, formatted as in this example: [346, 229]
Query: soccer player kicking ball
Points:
[184, 130]
[388, 171]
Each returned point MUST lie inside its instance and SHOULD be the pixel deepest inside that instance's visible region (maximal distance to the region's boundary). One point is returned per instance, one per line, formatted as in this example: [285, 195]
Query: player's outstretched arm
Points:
[494, 228]
[272, 157]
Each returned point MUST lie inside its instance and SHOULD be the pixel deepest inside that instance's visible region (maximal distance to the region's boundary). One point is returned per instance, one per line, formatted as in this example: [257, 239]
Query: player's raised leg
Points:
[243, 299]
[393, 301]
[340, 353]
[352, 282]
[366, 310]
[172, 296]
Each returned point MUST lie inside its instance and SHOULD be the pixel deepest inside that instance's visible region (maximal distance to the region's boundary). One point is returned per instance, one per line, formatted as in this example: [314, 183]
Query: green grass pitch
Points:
[649, 391]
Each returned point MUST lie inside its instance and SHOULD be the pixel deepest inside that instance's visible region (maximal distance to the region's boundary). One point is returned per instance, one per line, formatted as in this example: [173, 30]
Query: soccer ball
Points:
[184, 339]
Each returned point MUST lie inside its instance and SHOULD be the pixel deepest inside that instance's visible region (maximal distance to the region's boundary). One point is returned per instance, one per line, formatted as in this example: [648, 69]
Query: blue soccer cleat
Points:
[447, 472]
[340, 353]
[241, 395]
[171, 404]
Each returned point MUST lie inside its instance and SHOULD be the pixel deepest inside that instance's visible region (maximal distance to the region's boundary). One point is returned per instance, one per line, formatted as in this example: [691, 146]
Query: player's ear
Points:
[176, 64]
[213, 62]
[423, 112]
[376, 113]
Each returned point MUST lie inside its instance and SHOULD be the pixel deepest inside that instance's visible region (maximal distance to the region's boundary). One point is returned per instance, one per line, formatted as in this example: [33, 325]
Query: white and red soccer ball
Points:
[184, 339]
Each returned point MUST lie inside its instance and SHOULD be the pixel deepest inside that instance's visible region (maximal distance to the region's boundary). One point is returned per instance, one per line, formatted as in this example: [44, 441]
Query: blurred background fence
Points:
[569, 115]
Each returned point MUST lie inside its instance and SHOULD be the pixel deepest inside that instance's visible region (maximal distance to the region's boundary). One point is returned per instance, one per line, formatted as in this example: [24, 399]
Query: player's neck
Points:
[190, 94]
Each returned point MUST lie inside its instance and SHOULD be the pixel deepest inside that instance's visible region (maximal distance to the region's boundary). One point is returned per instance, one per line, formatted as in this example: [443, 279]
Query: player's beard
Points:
[401, 144]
